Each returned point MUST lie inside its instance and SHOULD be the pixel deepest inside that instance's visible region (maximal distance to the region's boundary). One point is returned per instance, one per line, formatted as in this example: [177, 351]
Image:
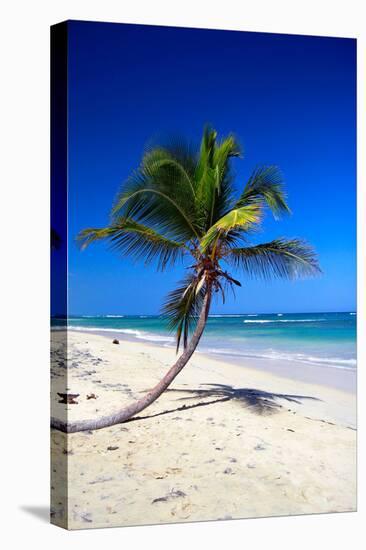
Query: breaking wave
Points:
[283, 320]
[141, 335]
[335, 362]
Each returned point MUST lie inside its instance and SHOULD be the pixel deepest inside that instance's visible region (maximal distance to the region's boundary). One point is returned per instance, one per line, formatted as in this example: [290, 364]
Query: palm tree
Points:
[181, 204]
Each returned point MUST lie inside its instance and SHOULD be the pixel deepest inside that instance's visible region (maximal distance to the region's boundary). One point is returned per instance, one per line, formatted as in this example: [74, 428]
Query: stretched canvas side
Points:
[59, 272]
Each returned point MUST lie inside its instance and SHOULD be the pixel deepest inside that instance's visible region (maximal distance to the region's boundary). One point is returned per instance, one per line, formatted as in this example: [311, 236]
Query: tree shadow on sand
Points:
[257, 401]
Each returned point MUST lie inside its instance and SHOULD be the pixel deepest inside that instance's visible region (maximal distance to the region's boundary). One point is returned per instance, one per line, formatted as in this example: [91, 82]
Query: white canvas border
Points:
[25, 220]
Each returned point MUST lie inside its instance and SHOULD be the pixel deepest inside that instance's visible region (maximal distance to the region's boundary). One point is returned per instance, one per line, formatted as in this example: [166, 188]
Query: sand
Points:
[225, 441]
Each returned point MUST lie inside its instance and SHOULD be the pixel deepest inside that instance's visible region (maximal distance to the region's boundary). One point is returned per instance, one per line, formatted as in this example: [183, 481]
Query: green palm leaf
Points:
[183, 306]
[265, 186]
[160, 194]
[134, 239]
[244, 218]
[213, 181]
[170, 168]
[285, 258]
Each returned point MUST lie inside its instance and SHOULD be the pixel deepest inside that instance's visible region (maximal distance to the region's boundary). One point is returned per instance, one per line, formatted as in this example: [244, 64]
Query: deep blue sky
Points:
[290, 100]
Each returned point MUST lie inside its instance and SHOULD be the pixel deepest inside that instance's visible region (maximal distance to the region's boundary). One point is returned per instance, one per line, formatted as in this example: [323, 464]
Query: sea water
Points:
[318, 339]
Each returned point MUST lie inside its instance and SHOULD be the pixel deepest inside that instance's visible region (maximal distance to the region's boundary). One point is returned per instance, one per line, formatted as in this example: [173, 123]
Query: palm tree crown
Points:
[181, 203]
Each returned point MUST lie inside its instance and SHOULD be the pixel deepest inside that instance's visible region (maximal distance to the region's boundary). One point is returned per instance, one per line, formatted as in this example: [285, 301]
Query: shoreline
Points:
[261, 371]
[223, 442]
[343, 379]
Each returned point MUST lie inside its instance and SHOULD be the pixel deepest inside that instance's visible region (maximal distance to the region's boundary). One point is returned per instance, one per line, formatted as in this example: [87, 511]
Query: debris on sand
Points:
[68, 398]
[92, 396]
[171, 495]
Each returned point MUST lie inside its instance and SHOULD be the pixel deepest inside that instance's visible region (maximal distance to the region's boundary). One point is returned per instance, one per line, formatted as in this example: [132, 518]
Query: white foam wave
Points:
[97, 317]
[335, 362]
[132, 332]
[114, 316]
[283, 320]
[258, 321]
[227, 316]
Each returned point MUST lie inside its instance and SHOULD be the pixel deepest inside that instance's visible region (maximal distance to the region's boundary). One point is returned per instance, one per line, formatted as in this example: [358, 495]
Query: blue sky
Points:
[290, 100]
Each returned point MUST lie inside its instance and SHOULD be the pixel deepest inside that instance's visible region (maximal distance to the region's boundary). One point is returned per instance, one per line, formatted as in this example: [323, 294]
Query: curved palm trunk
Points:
[152, 395]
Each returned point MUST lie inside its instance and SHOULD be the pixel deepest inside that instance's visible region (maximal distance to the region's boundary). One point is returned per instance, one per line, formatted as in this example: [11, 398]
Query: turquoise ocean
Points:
[318, 339]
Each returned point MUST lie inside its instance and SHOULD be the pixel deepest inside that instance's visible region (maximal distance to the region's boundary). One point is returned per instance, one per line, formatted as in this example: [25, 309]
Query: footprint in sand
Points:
[173, 494]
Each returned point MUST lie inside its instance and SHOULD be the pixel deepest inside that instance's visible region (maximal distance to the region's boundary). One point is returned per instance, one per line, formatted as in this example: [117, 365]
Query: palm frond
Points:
[170, 169]
[282, 258]
[221, 199]
[136, 240]
[183, 306]
[244, 218]
[213, 182]
[206, 153]
[160, 194]
[265, 186]
[206, 177]
[179, 149]
[224, 150]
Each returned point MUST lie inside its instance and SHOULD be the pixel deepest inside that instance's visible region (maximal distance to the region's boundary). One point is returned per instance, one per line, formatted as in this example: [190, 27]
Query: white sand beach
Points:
[225, 441]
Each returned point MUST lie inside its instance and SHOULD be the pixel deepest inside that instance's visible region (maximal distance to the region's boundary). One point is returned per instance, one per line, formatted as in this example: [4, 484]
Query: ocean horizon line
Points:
[233, 314]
